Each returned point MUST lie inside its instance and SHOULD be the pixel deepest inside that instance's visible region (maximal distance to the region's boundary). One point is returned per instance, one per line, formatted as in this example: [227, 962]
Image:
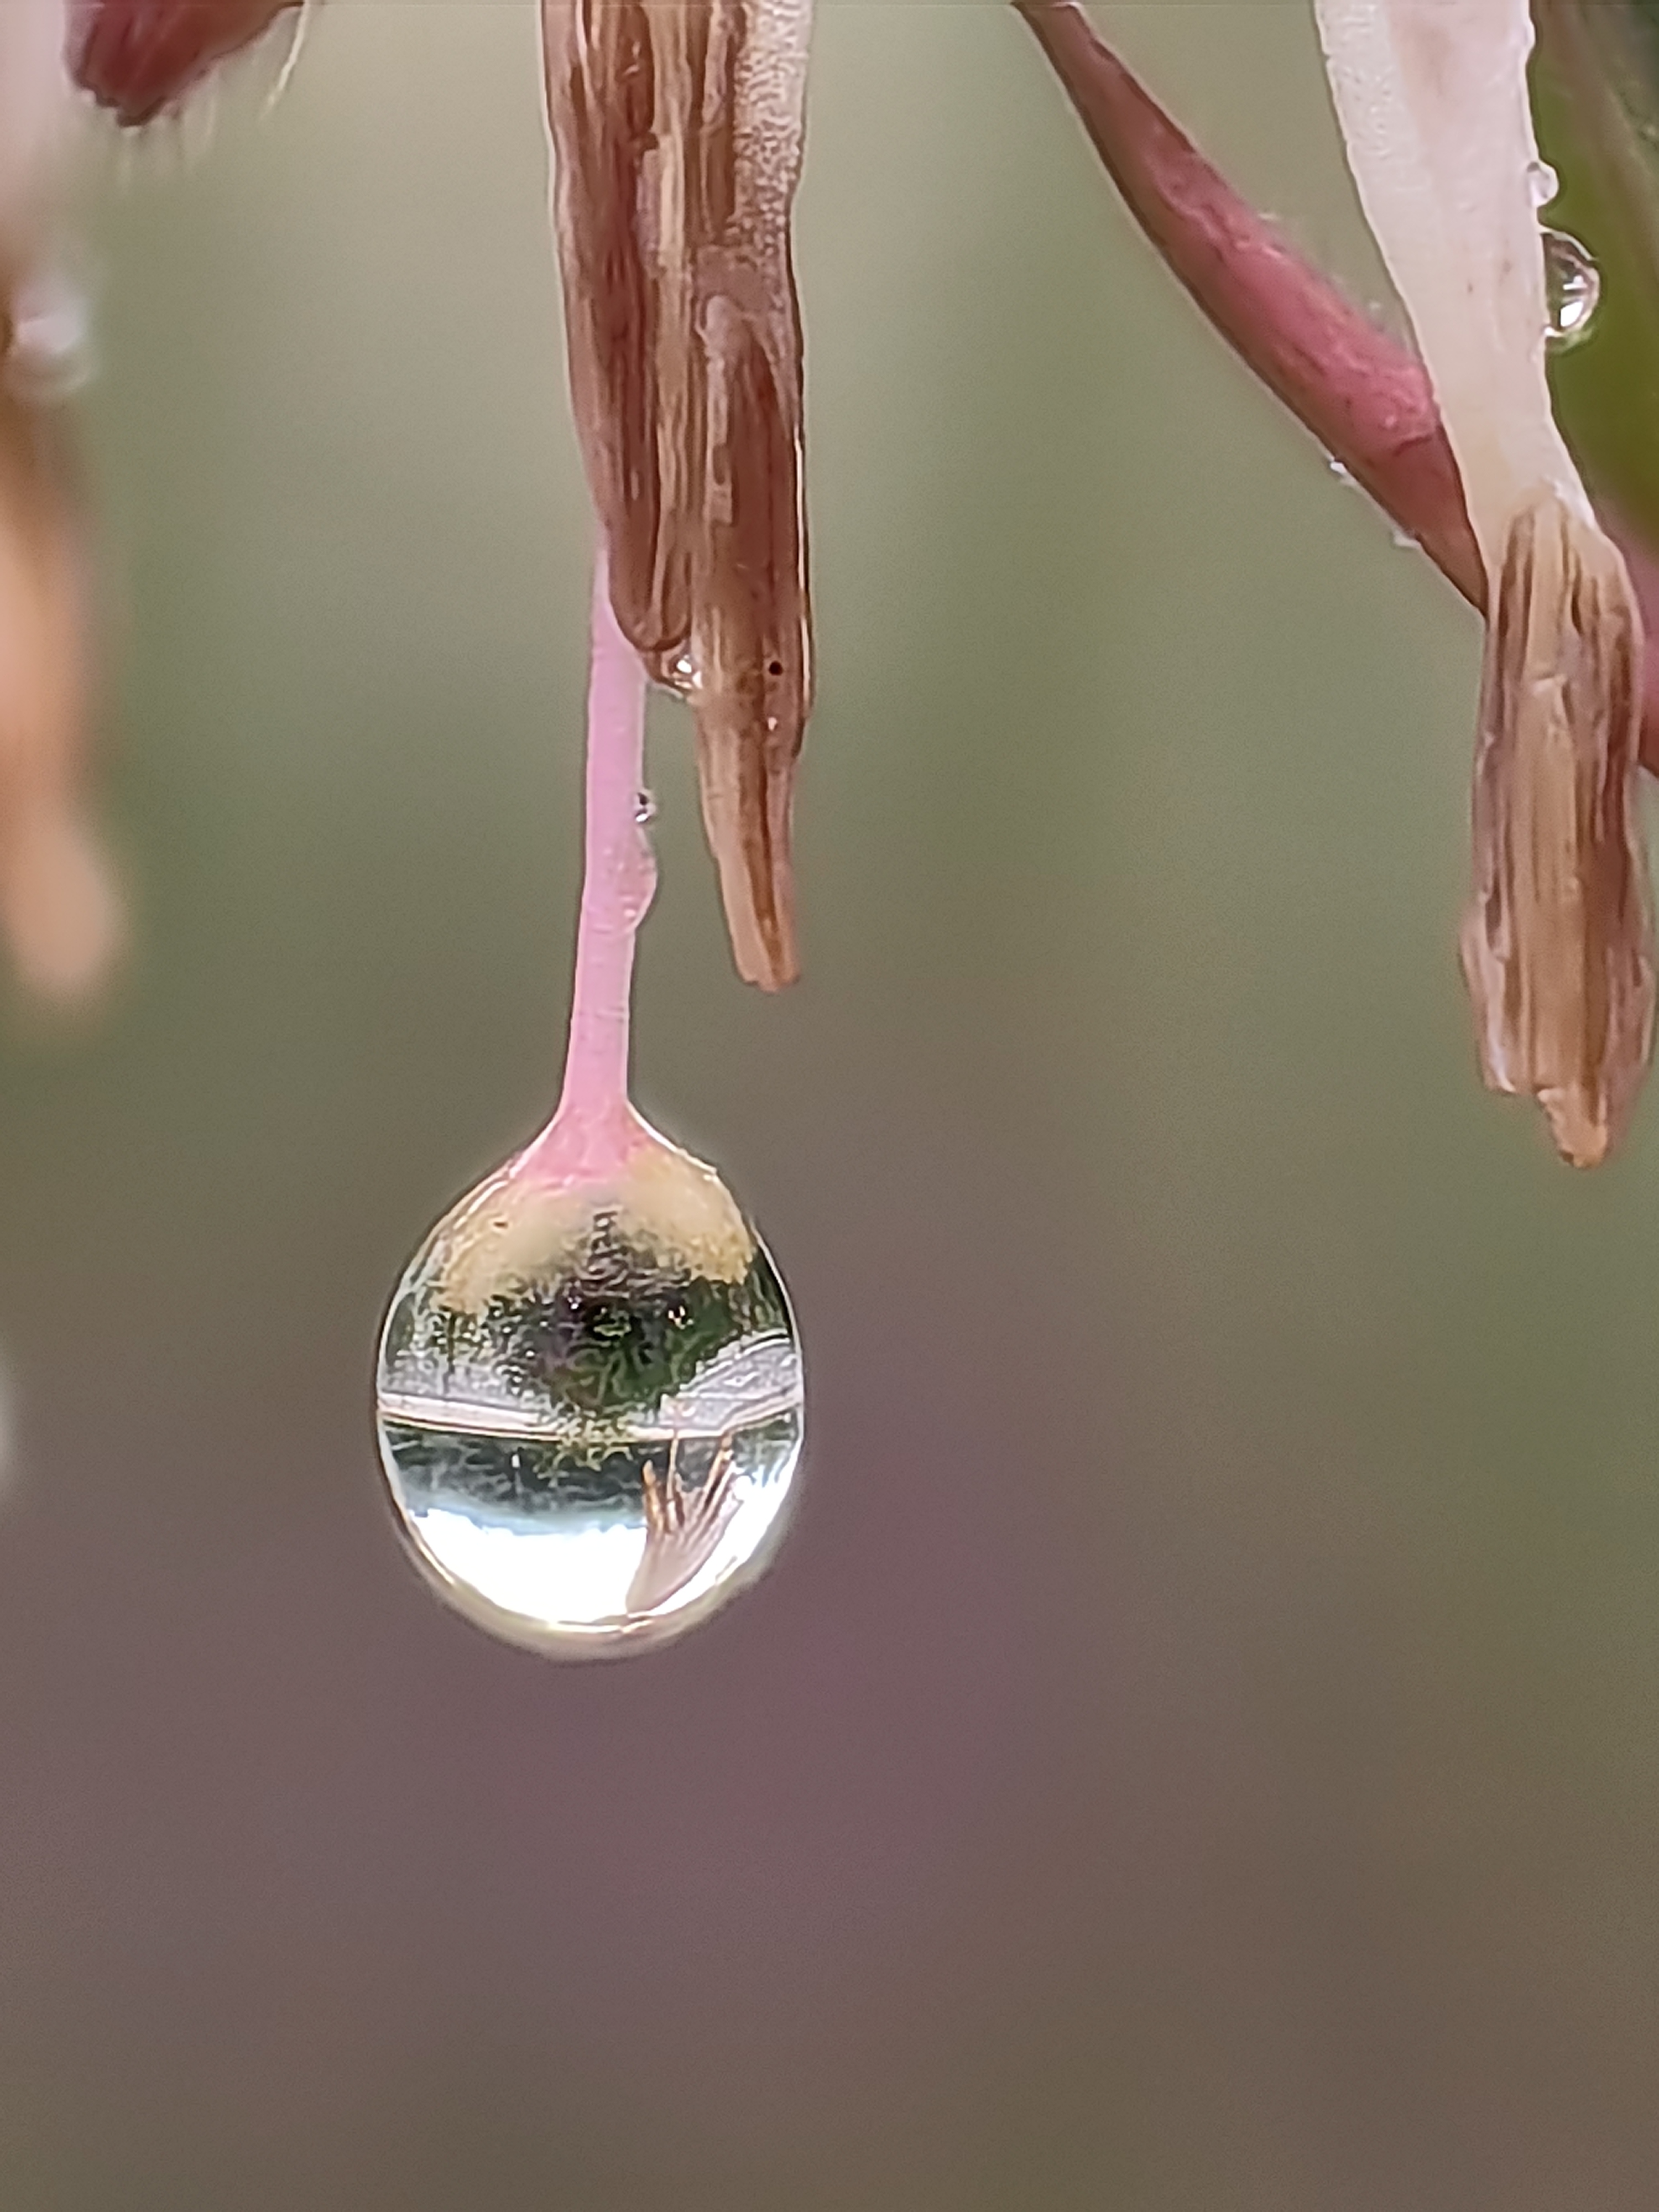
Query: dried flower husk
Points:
[1433, 101]
[1558, 937]
[678, 136]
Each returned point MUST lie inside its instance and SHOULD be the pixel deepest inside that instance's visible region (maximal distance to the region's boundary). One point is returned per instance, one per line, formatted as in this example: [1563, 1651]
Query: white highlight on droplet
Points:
[1572, 288]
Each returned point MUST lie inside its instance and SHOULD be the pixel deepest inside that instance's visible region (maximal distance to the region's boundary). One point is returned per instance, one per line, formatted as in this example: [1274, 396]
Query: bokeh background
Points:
[1197, 1751]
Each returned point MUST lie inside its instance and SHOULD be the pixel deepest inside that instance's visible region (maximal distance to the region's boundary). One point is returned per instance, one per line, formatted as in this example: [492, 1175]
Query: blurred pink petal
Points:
[58, 906]
[57, 901]
[139, 58]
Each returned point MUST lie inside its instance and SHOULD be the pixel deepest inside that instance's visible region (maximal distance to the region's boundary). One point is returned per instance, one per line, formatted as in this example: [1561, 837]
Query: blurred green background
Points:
[1197, 1750]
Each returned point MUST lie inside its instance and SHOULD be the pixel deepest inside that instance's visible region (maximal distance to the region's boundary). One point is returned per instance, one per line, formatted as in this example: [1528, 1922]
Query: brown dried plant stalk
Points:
[678, 138]
[1557, 939]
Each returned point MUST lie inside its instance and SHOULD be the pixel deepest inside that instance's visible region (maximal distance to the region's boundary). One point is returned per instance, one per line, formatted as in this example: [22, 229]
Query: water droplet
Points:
[590, 1403]
[645, 806]
[1572, 286]
[1544, 183]
[675, 671]
[1342, 472]
[1404, 539]
[50, 357]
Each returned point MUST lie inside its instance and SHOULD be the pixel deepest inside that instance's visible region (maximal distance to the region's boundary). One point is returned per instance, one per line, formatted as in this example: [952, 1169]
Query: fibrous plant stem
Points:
[595, 1127]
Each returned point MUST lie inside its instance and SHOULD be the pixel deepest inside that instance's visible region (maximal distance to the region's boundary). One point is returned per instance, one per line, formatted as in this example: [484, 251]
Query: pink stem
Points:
[595, 1127]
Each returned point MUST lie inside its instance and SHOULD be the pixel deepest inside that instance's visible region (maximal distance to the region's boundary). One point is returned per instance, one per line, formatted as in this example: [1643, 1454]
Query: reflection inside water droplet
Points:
[590, 1402]
[645, 806]
[675, 670]
[1573, 286]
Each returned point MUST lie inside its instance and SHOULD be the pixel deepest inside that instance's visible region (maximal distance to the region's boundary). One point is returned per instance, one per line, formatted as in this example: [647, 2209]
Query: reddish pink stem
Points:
[1365, 400]
[595, 1127]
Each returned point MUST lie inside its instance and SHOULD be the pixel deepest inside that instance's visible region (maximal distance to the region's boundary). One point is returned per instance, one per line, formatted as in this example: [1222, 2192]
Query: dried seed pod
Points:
[678, 135]
[1557, 940]
[1558, 946]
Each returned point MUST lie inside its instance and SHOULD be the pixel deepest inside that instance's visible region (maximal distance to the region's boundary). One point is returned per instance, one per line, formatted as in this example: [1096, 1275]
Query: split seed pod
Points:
[1558, 942]
[678, 136]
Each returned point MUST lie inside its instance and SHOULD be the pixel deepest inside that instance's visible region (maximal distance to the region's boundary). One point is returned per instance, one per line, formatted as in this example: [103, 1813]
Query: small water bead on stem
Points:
[1572, 286]
[1433, 101]
[589, 1387]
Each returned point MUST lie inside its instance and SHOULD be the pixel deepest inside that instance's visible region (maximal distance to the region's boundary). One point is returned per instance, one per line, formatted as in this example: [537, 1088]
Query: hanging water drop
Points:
[1572, 288]
[675, 670]
[590, 1398]
[589, 1385]
[50, 357]
[1542, 182]
[645, 806]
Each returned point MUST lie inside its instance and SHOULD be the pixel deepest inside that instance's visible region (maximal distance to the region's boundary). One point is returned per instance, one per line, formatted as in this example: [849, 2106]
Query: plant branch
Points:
[1365, 398]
